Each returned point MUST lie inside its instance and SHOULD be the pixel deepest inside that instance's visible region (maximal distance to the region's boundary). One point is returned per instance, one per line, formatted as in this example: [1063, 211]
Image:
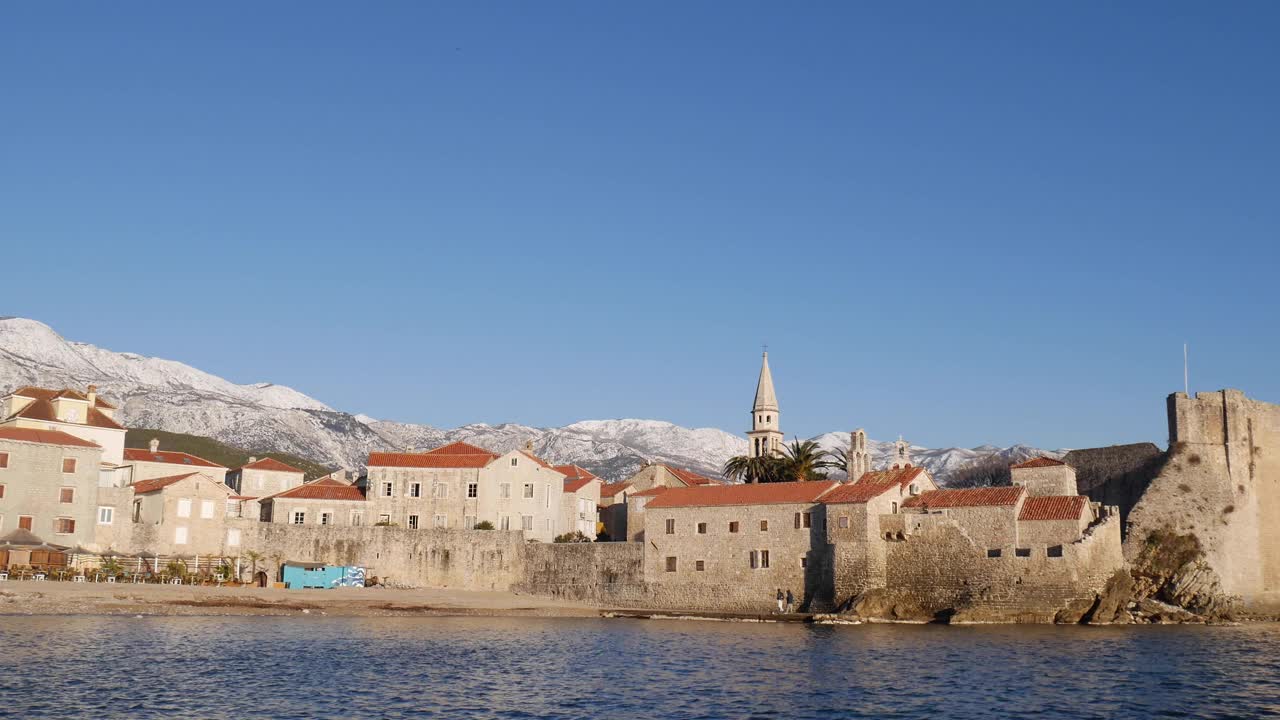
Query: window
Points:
[702, 528]
[415, 489]
[504, 490]
[671, 564]
[797, 521]
[915, 489]
[526, 522]
[528, 490]
[386, 489]
[1022, 552]
[513, 462]
[671, 526]
[137, 511]
[357, 518]
[1, 491]
[24, 522]
[764, 526]
[384, 519]
[473, 490]
[206, 509]
[233, 536]
[894, 508]
[326, 518]
[700, 565]
[67, 495]
[994, 553]
[106, 515]
[764, 559]
[469, 522]
[68, 465]
[844, 521]
[299, 517]
[733, 526]
[804, 563]
[4, 460]
[413, 522]
[64, 526]
[233, 508]
[184, 507]
[180, 536]
[807, 519]
[441, 521]
[505, 523]
[440, 490]
[755, 559]
[1054, 551]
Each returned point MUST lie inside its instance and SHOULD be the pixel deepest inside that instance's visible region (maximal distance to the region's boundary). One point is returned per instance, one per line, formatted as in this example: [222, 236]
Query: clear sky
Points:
[962, 222]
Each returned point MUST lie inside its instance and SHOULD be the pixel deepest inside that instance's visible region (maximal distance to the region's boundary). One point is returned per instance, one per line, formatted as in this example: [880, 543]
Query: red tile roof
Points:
[901, 476]
[272, 465]
[1060, 507]
[322, 489]
[859, 492]
[576, 477]
[611, 489]
[453, 455]
[651, 492]
[754, 494]
[968, 497]
[44, 437]
[1039, 462]
[691, 478]
[146, 486]
[43, 410]
[172, 457]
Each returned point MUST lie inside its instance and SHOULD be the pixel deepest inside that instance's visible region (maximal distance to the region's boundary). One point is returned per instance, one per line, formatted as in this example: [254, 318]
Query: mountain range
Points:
[175, 397]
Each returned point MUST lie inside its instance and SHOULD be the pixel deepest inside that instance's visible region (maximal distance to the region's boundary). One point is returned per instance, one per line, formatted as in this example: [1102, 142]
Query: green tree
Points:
[751, 469]
[802, 460]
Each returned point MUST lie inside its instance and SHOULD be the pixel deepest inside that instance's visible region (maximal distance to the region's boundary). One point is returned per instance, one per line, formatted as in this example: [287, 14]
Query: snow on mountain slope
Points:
[169, 395]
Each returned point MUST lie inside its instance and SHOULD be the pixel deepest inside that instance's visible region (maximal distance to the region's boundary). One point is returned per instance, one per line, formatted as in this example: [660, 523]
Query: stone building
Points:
[180, 515]
[1044, 476]
[153, 462]
[48, 484]
[257, 478]
[626, 518]
[581, 499]
[737, 544]
[459, 485]
[321, 502]
[87, 416]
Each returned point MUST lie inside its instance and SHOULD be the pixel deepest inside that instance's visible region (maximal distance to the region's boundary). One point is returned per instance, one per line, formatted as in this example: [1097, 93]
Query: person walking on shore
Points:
[781, 599]
[791, 602]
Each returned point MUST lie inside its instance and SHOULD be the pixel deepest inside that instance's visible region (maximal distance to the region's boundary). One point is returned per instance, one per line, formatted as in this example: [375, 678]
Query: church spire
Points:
[765, 435]
[765, 398]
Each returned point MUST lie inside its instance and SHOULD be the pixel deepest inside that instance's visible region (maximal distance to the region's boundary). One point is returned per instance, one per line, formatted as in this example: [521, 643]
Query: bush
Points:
[483, 525]
[574, 537]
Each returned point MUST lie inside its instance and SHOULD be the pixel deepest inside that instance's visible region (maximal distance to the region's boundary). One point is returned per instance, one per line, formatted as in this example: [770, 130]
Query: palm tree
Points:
[802, 460]
[254, 556]
[837, 459]
[750, 469]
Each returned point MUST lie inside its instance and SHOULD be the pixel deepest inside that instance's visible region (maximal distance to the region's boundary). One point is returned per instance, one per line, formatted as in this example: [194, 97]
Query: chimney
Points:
[155, 444]
[93, 395]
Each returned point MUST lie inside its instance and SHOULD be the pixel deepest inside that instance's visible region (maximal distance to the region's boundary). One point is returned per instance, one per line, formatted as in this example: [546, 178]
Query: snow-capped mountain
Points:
[168, 395]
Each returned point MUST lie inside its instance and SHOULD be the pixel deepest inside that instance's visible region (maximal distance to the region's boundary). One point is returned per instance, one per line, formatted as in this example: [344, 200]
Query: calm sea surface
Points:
[97, 667]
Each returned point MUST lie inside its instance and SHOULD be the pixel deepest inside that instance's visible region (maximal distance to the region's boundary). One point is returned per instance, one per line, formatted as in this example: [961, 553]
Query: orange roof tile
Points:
[172, 457]
[1039, 462]
[153, 484]
[460, 448]
[691, 478]
[967, 497]
[1056, 507]
[574, 471]
[754, 494]
[651, 492]
[272, 465]
[902, 476]
[611, 489]
[43, 410]
[453, 455]
[44, 437]
[859, 492]
[576, 478]
[322, 489]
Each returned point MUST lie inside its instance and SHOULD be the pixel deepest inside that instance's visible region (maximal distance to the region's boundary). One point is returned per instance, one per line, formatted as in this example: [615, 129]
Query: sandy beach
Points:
[28, 597]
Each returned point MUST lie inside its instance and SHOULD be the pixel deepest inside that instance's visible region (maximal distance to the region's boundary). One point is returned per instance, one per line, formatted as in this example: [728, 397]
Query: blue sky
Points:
[965, 223]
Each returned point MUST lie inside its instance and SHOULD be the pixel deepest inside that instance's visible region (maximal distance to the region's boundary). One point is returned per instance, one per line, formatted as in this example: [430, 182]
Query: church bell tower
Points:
[765, 437]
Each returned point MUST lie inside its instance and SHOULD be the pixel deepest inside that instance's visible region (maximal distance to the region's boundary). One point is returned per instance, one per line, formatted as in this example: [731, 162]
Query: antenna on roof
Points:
[1186, 378]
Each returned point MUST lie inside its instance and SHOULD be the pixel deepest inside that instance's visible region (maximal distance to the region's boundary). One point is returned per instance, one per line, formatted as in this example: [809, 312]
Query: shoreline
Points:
[20, 598]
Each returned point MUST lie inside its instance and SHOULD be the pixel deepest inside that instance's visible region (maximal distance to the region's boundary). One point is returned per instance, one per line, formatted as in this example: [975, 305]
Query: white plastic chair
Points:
[78, 578]
[39, 576]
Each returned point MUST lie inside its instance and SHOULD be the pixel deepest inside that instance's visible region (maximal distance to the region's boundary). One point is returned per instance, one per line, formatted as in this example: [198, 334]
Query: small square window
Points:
[671, 526]
[804, 562]
[106, 515]
[994, 553]
[4, 460]
[67, 495]
[1022, 552]
[299, 517]
[844, 521]
[68, 465]
[702, 528]
[1054, 551]
[671, 564]
[699, 565]
[733, 526]
[764, 526]
[473, 490]
[64, 526]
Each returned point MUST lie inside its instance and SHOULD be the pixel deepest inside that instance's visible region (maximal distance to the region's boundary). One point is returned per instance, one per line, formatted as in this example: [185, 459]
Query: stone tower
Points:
[901, 454]
[857, 459]
[765, 437]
